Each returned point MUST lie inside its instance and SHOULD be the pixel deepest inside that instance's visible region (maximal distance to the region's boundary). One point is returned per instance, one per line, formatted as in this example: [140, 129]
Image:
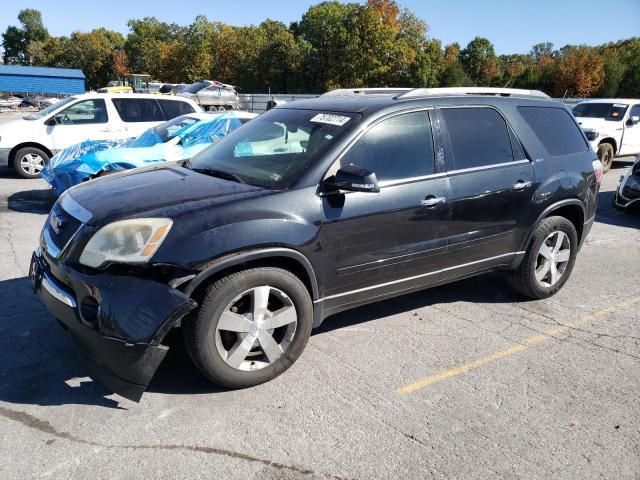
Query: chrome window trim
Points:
[392, 183]
[56, 292]
[487, 167]
[73, 208]
[415, 277]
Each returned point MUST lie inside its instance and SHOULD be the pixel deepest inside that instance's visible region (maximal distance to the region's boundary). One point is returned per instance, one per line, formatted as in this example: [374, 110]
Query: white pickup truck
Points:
[612, 127]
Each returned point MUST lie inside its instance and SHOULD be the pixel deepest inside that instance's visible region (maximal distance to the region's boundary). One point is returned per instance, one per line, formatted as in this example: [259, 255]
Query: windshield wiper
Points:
[220, 174]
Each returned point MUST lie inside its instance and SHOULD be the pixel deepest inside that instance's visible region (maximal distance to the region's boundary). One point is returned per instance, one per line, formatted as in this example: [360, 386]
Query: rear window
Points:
[133, 110]
[175, 108]
[555, 129]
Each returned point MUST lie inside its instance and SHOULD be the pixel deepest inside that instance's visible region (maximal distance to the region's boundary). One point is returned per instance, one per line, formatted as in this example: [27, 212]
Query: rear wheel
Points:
[605, 155]
[251, 327]
[549, 260]
[29, 162]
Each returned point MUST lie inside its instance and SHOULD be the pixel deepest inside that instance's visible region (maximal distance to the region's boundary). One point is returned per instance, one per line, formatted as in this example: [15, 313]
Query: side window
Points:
[132, 110]
[396, 148]
[479, 137]
[556, 129]
[635, 111]
[175, 108]
[83, 113]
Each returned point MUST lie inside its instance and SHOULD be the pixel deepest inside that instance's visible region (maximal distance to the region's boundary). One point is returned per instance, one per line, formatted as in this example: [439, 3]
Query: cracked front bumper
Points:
[117, 321]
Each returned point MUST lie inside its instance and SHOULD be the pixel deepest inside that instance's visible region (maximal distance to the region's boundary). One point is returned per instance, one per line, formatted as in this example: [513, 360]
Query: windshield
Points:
[51, 108]
[168, 130]
[607, 111]
[195, 87]
[274, 149]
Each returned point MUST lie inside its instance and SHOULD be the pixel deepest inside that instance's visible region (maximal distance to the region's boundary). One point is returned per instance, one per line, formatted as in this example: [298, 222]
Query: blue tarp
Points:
[91, 158]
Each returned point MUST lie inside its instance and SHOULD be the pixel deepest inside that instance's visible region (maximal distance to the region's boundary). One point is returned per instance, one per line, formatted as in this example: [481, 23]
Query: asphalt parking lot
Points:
[462, 381]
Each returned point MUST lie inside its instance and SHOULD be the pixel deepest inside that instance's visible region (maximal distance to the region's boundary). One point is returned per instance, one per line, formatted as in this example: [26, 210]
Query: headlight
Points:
[592, 135]
[126, 241]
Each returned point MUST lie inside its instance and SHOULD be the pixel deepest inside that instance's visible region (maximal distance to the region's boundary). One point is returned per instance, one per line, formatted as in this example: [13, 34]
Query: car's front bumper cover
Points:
[632, 182]
[120, 338]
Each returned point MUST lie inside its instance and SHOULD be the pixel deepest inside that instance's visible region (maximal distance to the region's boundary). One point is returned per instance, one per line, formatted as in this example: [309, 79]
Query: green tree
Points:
[15, 40]
[147, 45]
[479, 61]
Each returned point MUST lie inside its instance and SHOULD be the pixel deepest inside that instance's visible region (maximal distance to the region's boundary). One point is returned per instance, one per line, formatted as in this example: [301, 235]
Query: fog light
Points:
[89, 310]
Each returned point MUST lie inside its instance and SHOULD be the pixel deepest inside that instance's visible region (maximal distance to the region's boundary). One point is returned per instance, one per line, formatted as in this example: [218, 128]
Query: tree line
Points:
[376, 43]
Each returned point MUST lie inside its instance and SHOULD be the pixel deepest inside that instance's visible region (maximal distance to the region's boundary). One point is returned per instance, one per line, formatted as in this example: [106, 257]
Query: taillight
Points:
[598, 170]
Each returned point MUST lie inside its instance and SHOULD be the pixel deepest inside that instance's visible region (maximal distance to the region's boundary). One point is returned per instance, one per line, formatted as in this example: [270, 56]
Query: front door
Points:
[389, 241]
[84, 120]
[631, 138]
[492, 185]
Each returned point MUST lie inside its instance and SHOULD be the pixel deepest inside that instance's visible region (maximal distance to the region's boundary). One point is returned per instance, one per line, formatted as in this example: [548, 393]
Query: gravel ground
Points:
[462, 381]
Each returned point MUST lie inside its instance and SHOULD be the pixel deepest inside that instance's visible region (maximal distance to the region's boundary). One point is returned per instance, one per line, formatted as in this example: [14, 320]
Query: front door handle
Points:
[520, 185]
[432, 201]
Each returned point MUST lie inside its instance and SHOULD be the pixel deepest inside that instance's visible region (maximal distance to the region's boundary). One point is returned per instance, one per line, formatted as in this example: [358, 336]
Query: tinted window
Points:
[608, 111]
[479, 137]
[556, 129]
[396, 148]
[175, 108]
[635, 111]
[195, 87]
[82, 113]
[138, 110]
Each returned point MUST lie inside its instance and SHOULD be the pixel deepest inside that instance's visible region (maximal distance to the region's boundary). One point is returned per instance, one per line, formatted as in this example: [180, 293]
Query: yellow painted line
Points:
[507, 352]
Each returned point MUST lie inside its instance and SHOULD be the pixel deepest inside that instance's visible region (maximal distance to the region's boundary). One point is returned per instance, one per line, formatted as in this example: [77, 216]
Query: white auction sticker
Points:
[338, 120]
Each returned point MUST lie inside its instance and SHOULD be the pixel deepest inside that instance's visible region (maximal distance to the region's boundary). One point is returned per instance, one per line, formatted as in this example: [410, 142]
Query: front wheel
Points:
[605, 155]
[548, 261]
[29, 162]
[251, 326]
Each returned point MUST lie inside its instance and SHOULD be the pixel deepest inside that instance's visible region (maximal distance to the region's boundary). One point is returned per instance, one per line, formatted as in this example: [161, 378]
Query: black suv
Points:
[310, 209]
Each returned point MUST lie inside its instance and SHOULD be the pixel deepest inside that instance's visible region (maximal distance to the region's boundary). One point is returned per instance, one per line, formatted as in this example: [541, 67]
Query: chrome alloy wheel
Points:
[256, 328]
[553, 258]
[32, 164]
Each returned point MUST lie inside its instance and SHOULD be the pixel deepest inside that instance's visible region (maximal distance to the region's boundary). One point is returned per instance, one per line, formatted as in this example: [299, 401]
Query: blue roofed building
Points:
[41, 80]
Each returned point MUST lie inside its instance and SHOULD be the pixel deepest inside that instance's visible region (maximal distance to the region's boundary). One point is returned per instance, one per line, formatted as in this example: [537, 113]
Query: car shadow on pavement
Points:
[610, 215]
[486, 288]
[30, 201]
[38, 360]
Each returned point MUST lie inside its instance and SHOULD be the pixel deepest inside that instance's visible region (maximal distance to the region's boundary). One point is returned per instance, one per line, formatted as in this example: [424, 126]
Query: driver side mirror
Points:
[352, 178]
[634, 120]
[51, 122]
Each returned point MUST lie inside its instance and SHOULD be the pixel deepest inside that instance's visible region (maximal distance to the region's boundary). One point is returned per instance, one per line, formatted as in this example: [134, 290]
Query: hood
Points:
[598, 124]
[159, 191]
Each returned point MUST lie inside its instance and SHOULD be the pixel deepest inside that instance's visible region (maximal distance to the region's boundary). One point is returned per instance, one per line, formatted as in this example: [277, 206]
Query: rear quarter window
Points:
[133, 110]
[556, 130]
[175, 108]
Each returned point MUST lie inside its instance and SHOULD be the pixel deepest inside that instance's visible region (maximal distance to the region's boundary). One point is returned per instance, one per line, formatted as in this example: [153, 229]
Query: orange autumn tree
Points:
[579, 72]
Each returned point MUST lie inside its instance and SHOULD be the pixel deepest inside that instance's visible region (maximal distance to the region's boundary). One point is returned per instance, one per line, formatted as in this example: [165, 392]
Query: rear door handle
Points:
[520, 185]
[433, 201]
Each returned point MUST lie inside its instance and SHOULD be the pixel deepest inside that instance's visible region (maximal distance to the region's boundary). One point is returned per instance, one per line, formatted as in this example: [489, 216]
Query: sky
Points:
[513, 26]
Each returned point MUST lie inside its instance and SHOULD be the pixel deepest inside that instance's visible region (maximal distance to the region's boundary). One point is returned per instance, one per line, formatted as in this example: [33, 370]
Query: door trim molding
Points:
[415, 277]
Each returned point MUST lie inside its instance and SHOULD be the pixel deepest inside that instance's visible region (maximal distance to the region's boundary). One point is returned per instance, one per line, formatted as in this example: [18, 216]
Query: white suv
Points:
[28, 143]
[612, 127]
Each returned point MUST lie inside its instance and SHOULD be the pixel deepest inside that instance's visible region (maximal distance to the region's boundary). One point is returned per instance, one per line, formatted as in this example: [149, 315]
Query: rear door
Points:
[391, 240]
[138, 114]
[492, 185]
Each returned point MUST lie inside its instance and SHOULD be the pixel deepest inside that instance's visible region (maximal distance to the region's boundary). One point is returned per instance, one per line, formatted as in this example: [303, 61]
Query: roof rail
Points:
[503, 92]
[366, 91]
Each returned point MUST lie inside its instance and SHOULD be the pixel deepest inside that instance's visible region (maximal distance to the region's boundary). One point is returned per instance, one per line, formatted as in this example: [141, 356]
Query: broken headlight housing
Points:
[126, 241]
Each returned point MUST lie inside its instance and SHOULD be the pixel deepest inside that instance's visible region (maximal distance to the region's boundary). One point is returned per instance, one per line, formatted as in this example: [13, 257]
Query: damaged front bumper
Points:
[627, 195]
[117, 321]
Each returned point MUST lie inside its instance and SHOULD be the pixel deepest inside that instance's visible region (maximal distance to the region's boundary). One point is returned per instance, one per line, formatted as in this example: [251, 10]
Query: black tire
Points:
[523, 279]
[199, 330]
[18, 166]
[605, 155]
